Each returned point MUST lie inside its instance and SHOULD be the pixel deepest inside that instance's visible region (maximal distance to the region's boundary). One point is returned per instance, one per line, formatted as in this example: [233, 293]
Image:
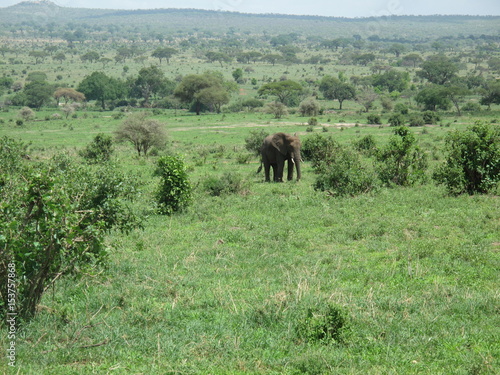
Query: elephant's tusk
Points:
[293, 160]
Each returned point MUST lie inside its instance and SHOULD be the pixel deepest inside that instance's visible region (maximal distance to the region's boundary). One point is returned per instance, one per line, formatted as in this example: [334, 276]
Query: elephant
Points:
[275, 150]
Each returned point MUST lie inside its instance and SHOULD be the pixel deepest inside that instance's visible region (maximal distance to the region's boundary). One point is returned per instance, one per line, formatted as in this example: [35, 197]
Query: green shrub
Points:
[228, 183]
[416, 119]
[430, 117]
[323, 324]
[366, 144]
[253, 142]
[374, 119]
[54, 219]
[396, 119]
[318, 147]
[401, 162]
[343, 173]
[99, 150]
[473, 161]
[174, 192]
[313, 121]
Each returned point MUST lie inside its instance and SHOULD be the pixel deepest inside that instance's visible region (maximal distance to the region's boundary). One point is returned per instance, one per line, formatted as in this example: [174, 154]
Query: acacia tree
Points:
[283, 90]
[164, 53]
[68, 94]
[141, 132]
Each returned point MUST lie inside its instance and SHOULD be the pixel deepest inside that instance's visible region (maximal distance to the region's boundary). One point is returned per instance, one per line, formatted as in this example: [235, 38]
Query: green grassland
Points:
[230, 285]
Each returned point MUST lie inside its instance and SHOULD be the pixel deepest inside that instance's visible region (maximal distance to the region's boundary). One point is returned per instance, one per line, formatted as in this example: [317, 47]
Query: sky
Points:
[335, 8]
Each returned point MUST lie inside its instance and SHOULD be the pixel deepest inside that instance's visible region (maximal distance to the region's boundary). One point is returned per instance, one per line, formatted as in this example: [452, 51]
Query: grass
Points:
[225, 287]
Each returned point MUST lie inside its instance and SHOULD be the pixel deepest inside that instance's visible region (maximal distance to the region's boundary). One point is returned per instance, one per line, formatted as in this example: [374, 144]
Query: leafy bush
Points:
[253, 142]
[141, 132]
[396, 119]
[54, 218]
[374, 119]
[430, 117]
[228, 183]
[401, 162]
[323, 324]
[473, 161]
[318, 147]
[99, 150]
[174, 192]
[343, 173]
[309, 107]
[416, 119]
[366, 144]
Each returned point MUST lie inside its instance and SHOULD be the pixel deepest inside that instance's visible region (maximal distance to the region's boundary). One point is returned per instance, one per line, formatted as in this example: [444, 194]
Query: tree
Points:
[164, 53]
[473, 161]
[141, 132]
[433, 97]
[151, 81]
[68, 94]
[221, 57]
[272, 58]
[39, 56]
[391, 80]
[491, 95]
[456, 93]
[188, 90]
[99, 150]
[277, 109]
[174, 191]
[283, 90]
[213, 97]
[38, 93]
[91, 56]
[59, 57]
[438, 69]
[334, 89]
[98, 86]
[54, 219]
[413, 59]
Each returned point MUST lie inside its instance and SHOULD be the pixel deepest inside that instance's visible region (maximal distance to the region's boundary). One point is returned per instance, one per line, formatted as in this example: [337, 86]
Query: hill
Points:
[174, 20]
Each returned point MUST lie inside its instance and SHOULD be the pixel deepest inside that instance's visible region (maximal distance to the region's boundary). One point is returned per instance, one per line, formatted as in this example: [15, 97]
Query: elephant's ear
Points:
[278, 142]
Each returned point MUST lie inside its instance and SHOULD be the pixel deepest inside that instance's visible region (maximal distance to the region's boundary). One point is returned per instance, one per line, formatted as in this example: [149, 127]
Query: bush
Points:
[401, 162]
[99, 150]
[473, 161]
[253, 142]
[318, 147]
[374, 119]
[430, 117]
[416, 119]
[174, 192]
[343, 173]
[54, 218]
[366, 144]
[396, 119]
[228, 183]
[323, 324]
[309, 107]
[471, 107]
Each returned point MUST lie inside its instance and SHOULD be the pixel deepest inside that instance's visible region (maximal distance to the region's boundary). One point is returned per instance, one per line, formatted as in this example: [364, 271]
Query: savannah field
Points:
[266, 278]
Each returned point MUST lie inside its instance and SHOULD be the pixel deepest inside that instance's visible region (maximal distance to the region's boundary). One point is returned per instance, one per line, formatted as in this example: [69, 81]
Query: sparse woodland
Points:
[143, 241]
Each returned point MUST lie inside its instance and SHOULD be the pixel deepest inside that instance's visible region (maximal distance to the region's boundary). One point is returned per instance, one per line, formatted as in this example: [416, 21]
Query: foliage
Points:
[433, 97]
[335, 89]
[473, 161]
[277, 109]
[228, 183]
[344, 174]
[26, 113]
[253, 142]
[286, 91]
[401, 162]
[374, 119]
[324, 324]
[438, 69]
[54, 217]
[149, 82]
[99, 150]
[142, 133]
[366, 144]
[174, 191]
[98, 86]
[202, 89]
[397, 119]
[309, 107]
[318, 147]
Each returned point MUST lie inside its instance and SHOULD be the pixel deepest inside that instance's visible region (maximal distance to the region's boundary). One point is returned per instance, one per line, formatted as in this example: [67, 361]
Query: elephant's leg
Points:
[275, 172]
[280, 167]
[267, 168]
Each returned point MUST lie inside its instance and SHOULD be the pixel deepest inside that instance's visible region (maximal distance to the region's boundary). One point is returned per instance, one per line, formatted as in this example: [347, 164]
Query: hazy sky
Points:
[339, 8]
